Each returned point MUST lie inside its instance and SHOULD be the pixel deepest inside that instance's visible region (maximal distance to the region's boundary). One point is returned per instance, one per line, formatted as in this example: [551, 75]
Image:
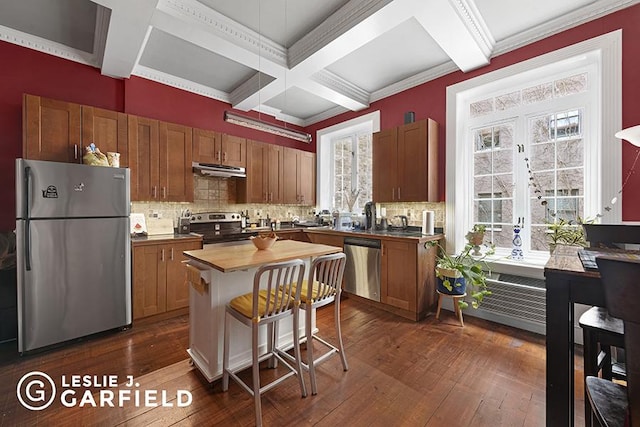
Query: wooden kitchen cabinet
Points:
[159, 278]
[107, 130]
[160, 157]
[144, 157]
[405, 163]
[176, 176]
[299, 177]
[51, 130]
[218, 148]
[326, 239]
[407, 277]
[265, 174]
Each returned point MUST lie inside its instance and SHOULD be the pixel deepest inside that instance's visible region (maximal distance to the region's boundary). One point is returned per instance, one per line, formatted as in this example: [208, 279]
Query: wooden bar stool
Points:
[456, 306]
[275, 300]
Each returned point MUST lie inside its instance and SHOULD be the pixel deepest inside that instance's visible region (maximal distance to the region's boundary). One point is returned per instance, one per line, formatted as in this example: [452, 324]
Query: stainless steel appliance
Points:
[362, 272]
[220, 227]
[370, 216]
[73, 251]
[223, 171]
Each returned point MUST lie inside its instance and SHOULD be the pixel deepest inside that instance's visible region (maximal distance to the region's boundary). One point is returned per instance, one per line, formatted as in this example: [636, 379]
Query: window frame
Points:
[324, 186]
[605, 52]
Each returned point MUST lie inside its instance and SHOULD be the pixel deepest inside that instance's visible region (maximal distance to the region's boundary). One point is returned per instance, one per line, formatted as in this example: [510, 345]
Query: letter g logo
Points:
[33, 388]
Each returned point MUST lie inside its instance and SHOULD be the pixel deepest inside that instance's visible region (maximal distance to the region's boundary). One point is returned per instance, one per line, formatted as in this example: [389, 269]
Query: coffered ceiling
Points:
[301, 61]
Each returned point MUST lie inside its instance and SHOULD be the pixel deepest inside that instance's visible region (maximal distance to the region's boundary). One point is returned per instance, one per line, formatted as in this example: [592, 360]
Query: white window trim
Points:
[609, 47]
[367, 122]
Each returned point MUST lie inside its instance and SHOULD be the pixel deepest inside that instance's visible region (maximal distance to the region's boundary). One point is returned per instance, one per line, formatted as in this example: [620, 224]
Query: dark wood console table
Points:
[567, 282]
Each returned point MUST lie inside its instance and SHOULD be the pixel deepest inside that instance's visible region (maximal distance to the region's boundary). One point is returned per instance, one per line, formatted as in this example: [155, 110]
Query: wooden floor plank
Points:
[427, 373]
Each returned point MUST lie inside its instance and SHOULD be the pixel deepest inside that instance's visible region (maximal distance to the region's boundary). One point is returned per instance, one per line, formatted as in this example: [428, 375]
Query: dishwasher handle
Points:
[367, 243]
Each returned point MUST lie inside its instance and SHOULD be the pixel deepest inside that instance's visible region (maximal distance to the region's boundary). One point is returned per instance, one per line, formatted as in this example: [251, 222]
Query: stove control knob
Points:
[199, 217]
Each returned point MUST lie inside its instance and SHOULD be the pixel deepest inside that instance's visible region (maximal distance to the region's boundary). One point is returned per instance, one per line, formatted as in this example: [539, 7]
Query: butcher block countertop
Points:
[242, 257]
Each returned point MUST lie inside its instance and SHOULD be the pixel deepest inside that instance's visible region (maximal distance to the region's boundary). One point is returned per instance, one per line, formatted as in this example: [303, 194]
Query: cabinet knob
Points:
[162, 255]
[171, 256]
[154, 192]
[164, 192]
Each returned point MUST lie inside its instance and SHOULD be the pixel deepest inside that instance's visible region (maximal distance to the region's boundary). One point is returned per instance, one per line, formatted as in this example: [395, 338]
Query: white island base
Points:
[206, 322]
[229, 272]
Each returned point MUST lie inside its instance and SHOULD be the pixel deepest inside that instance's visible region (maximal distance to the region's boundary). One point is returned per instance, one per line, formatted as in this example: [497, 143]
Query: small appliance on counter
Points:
[370, 216]
[184, 222]
[342, 221]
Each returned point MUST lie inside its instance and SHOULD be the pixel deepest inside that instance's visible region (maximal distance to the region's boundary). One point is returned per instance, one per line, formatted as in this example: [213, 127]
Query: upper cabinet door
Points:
[206, 146]
[306, 178]
[176, 179]
[234, 151]
[275, 154]
[144, 158]
[290, 176]
[412, 155]
[107, 130]
[385, 170]
[51, 130]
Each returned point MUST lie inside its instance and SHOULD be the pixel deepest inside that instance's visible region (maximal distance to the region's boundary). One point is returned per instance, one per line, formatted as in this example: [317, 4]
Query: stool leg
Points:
[309, 333]
[439, 306]
[225, 356]
[458, 310]
[343, 356]
[255, 372]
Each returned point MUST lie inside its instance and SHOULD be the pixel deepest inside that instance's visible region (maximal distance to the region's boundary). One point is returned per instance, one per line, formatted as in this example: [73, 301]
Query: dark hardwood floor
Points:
[402, 373]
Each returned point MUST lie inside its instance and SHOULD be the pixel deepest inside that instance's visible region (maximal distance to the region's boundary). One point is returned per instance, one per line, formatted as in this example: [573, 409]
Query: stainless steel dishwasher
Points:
[362, 271]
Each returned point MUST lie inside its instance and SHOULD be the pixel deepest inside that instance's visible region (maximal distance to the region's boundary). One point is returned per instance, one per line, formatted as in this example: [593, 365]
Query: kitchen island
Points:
[226, 273]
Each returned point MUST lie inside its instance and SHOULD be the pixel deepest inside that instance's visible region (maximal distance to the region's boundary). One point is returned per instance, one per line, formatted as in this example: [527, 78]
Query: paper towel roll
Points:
[428, 219]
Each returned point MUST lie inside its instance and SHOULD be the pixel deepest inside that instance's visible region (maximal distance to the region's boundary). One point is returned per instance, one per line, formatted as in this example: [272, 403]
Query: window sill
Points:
[531, 266]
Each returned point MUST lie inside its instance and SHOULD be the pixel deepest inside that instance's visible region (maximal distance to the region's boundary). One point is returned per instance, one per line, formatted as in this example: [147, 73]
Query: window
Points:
[352, 172]
[525, 146]
[345, 164]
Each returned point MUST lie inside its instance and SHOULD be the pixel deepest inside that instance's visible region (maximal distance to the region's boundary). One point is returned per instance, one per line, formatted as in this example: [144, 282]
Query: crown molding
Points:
[332, 112]
[342, 86]
[279, 115]
[193, 12]
[47, 46]
[179, 83]
[473, 20]
[335, 25]
[583, 15]
[415, 80]
[249, 87]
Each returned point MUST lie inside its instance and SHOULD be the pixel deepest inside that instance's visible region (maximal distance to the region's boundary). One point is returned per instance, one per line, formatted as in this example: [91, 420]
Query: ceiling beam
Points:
[127, 35]
[458, 27]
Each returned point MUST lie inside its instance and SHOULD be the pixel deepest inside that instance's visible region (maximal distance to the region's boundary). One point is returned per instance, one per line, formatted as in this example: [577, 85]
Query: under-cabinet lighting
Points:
[266, 127]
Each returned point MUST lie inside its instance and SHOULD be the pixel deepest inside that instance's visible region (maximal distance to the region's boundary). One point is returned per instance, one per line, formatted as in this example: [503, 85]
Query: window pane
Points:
[539, 238]
[503, 184]
[570, 85]
[364, 171]
[539, 129]
[570, 153]
[342, 172]
[571, 180]
[510, 100]
[543, 156]
[481, 108]
[482, 163]
[537, 93]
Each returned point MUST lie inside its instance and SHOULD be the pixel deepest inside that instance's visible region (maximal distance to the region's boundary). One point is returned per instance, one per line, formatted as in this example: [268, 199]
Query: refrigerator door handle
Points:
[27, 222]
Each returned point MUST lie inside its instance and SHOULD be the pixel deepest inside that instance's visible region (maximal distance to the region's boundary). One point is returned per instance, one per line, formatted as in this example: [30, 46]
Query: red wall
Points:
[28, 71]
[429, 99]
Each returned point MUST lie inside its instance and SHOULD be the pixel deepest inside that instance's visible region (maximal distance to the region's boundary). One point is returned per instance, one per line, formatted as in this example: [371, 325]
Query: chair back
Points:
[274, 282]
[326, 273]
[607, 235]
[621, 283]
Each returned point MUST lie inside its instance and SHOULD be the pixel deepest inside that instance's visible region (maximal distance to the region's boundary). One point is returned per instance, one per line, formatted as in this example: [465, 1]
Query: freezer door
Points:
[69, 190]
[79, 281]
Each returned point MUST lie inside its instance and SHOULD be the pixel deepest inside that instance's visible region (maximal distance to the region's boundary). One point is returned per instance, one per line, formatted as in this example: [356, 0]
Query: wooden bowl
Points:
[264, 241]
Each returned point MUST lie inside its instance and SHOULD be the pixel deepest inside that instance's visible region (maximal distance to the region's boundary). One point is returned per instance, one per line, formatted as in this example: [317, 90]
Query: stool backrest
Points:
[276, 279]
[605, 235]
[621, 283]
[327, 272]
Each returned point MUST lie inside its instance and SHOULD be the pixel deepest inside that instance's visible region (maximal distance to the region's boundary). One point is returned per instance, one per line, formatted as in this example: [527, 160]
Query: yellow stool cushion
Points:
[315, 290]
[244, 303]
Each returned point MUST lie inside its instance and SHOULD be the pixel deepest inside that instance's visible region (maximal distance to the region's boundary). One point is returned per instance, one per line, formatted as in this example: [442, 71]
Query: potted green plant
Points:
[463, 273]
[570, 233]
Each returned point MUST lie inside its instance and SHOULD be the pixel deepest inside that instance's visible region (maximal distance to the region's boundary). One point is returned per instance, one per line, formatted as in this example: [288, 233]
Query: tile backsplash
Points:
[219, 195]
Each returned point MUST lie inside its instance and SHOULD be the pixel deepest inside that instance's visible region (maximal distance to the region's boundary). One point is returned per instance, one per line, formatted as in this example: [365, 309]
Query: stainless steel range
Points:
[218, 227]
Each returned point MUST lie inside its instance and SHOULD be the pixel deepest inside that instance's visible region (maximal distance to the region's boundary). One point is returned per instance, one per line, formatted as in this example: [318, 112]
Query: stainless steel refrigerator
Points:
[73, 251]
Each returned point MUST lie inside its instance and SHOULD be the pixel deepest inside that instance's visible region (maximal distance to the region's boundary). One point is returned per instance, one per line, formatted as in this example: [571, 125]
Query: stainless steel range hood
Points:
[219, 170]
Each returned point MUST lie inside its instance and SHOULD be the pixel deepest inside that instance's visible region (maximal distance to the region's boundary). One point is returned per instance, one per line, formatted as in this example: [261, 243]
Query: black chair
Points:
[601, 331]
[613, 404]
